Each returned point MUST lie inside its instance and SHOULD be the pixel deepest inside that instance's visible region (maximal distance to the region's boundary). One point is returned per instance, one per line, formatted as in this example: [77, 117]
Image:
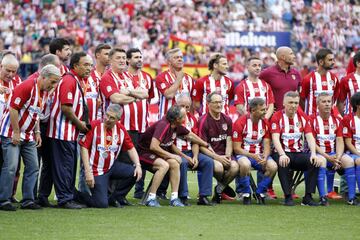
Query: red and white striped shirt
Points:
[90, 87]
[163, 81]
[27, 100]
[191, 125]
[66, 93]
[351, 129]
[248, 90]
[144, 81]
[325, 132]
[112, 83]
[105, 145]
[291, 130]
[250, 134]
[64, 69]
[314, 84]
[5, 98]
[348, 86]
[207, 85]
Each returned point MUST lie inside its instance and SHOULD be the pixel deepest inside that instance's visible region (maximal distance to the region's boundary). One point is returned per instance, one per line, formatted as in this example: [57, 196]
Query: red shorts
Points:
[147, 159]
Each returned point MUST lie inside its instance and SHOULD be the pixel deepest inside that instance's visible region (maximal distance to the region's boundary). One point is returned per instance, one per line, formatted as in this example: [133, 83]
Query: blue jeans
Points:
[11, 155]
[205, 174]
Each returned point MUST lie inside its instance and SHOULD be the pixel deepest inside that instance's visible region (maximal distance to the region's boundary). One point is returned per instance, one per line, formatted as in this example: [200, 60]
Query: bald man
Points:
[282, 77]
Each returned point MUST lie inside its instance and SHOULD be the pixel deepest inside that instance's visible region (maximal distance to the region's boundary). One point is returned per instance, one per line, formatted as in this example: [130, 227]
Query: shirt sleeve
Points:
[203, 129]
[336, 88]
[344, 89]
[339, 129]
[346, 129]
[86, 140]
[267, 129]
[108, 86]
[195, 128]
[67, 90]
[231, 90]
[305, 87]
[238, 128]
[198, 90]
[275, 123]
[270, 94]
[160, 130]
[229, 123]
[21, 95]
[161, 83]
[239, 94]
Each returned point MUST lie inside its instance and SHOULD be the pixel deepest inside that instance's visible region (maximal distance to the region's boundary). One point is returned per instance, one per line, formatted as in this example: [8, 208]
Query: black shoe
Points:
[8, 207]
[324, 201]
[124, 202]
[31, 206]
[14, 200]
[204, 201]
[184, 201]
[139, 195]
[247, 199]
[162, 196]
[260, 198]
[70, 205]
[353, 202]
[44, 203]
[309, 202]
[115, 204]
[289, 202]
[217, 196]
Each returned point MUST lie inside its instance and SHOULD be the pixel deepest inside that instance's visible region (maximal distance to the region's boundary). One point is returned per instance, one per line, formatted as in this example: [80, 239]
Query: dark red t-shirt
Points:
[162, 131]
[215, 132]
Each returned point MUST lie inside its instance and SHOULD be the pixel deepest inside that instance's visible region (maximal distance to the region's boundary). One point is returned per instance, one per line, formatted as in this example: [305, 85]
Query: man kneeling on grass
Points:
[99, 149]
[159, 154]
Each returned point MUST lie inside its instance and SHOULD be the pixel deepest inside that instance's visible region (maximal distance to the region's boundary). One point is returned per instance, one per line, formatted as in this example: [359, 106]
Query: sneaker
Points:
[239, 196]
[204, 201]
[260, 198]
[289, 202]
[353, 202]
[324, 201]
[184, 200]
[226, 197]
[162, 196]
[124, 202]
[44, 203]
[139, 195]
[309, 202]
[8, 207]
[70, 205]
[152, 203]
[217, 196]
[295, 196]
[176, 203]
[31, 206]
[271, 194]
[246, 199]
[334, 195]
[14, 200]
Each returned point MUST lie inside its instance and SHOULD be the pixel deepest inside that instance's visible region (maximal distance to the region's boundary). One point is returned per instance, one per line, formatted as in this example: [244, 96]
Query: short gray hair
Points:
[48, 59]
[173, 113]
[171, 52]
[255, 102]
[50, 70]
[9, 59]
[208, 97]
[292, 94]
[182, 96]
[322, 94]
[116, 108]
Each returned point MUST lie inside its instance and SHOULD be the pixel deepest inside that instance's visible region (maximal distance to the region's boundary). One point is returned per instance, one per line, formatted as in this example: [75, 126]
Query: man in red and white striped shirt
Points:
[99, 150]
[321, 80]
[252, 88]
[251, 141]
[330, 148]
[61, 48]
[17, 136]
[172, 81]
[288, 127]
[67, 120]
[216, 81]
[349, 85]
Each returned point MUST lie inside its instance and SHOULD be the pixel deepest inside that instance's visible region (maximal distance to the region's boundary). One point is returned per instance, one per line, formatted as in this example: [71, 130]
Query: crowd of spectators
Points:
[28, 26]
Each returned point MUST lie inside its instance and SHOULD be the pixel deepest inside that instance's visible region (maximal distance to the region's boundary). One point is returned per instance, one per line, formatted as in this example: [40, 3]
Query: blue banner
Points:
[257, 39]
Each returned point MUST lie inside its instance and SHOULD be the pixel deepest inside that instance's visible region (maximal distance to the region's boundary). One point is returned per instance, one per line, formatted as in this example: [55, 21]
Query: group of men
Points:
[100, 115]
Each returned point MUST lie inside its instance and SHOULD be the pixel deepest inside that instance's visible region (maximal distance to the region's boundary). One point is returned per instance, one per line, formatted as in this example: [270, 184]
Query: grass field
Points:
[230, 220]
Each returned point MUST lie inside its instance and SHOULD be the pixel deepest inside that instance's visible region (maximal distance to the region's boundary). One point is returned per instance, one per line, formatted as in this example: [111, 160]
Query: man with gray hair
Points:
[20, 135]
[172, 81]
[99, 149]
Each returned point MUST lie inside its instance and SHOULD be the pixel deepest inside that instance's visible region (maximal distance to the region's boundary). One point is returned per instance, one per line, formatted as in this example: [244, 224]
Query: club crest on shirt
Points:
[224, 126]
[70, 96]
[273, 126]
[293, 76]
[235, 134]
[262, 131]
[108, 88]
[163, 85]
[345, 130]
[297, 124]
[152, 156]
[188, 125]
[194, 92]
[225, 87]
[173, 136]
[263, 89]
[17, 101]
[333, 126]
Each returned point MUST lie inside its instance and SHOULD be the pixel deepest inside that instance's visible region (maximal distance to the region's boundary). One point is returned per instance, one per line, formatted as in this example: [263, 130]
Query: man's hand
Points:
[176, 157]
[89, 178]
[38, 139]
[16, 138]
[315, 161]
[179, 75]
[125, 91]
[138, 172]
[82, 128]
[4, 90]
[284, 160]
[196, 163]
[189, 160]
[224, 160]
[258, 159]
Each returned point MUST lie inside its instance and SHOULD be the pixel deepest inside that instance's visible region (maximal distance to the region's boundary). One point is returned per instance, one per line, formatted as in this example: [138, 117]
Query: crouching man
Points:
[99, 149]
